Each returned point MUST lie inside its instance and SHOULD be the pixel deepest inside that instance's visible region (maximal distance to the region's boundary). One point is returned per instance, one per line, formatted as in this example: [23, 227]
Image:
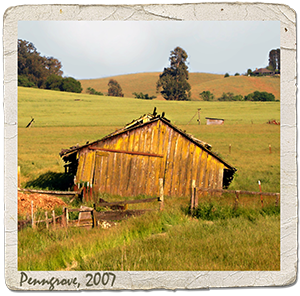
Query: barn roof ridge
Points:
[149, 118]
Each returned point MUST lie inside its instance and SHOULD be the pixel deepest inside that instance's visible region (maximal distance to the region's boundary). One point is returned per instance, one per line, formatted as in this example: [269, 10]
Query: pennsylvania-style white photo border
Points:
[159, 12]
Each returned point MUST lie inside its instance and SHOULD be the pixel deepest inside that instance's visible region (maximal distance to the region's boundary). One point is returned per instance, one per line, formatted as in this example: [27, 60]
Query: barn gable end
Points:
[130, 161]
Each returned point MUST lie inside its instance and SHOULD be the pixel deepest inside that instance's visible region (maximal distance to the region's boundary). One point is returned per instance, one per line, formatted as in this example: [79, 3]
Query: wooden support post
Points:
[270, 149]
[84, 193]
[54, 219]
[161, 194]
[65, 217]
[236, 203]
[199, 121]
[32, 216]
[47, 222]
[229, 148]
[91, 192]
[19, 177]
[261, 198]
[193, 194]
[93, 212]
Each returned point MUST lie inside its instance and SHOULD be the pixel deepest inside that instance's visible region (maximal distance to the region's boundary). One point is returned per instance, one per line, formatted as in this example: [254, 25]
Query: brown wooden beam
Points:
[127, 152]
[49, 192]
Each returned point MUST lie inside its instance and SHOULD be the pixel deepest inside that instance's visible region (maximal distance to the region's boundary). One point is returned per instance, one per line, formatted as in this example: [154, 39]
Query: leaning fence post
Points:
[161, 193]
[65, 217]
[93, 212]
[46, 217]
[32, 216]
[53, 217]
[236, 199]
[261, 198]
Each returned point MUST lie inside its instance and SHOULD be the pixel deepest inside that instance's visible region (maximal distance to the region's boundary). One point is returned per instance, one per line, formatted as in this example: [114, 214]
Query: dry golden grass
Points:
[215, 83]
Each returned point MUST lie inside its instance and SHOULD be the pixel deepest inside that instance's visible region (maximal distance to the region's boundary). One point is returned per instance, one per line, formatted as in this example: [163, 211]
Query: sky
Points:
[96, 49]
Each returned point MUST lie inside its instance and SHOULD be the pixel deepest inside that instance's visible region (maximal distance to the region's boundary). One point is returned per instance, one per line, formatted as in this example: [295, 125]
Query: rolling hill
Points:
[215, 83]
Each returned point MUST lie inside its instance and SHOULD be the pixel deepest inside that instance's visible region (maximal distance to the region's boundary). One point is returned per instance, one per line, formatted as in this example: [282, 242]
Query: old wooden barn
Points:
[131, 160]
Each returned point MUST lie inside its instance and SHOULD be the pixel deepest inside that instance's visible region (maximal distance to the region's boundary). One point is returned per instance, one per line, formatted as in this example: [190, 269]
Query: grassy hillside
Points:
[162, 240]
[217, 84]
[65, 119]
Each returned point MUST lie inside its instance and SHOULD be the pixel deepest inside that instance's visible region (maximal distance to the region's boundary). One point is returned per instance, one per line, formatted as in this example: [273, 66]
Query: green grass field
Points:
[241, 243]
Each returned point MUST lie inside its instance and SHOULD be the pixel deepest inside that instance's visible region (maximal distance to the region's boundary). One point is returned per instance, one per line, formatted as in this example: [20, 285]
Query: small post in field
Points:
[32, 216]
[236, 199]
[261, 199]
[229, 148]
[277, 200]
[65, 217]
[199, 121]
[46, 217]
[161, 193]
[193, 194]
[54, 220]
[270, 149]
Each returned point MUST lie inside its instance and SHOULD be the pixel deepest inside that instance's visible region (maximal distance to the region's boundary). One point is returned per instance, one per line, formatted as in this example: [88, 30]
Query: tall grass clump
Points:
[211, 211]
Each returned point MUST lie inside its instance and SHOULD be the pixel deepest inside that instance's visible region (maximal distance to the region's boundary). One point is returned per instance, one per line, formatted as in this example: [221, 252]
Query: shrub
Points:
[207, 96]
[260, 96]
[24, 81]
[69, 84]
[213, 211]
[226, 75]
[229, 96]
[143, 96]
[92, 91]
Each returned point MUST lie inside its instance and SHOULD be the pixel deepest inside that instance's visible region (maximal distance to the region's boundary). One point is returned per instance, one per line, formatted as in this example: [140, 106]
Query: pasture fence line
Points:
[89, 216]
[196, 190]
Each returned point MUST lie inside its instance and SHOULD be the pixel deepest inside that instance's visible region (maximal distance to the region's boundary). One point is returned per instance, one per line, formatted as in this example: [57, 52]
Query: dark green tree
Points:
[207, 96]
[173, 82]
[274, 60]
[54, 82]
[260, 96]
[249, 72]
[114, 88]
[34, 67]
[226, 75]
[70, 84]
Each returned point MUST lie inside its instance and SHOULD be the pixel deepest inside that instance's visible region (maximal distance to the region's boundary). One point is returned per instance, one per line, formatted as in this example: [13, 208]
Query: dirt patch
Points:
[40, 201]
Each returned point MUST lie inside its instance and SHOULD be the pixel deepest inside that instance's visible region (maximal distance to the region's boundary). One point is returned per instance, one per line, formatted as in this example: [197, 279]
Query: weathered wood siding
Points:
[173, 157]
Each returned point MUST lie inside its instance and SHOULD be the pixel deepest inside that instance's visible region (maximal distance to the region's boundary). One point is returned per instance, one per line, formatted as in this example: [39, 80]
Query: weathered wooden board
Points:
[131, 163]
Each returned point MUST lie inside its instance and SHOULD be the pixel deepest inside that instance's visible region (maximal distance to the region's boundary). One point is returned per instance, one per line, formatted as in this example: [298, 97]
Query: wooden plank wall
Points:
[129, 175]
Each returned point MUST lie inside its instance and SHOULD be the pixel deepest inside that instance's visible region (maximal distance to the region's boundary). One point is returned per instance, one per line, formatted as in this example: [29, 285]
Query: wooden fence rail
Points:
[62, 193]
[91, 217]
[237, 193]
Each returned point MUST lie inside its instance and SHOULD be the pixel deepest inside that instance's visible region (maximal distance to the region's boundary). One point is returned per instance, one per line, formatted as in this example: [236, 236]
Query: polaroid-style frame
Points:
[133, 280]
